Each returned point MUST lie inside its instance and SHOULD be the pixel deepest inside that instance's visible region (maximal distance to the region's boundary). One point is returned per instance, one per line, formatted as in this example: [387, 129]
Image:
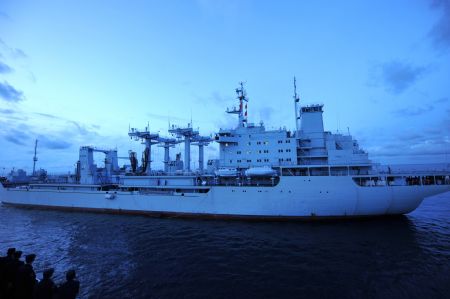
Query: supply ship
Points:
[264, 174]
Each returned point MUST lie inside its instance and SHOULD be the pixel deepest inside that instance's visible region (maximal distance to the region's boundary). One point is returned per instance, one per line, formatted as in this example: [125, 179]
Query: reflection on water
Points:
[137, 257]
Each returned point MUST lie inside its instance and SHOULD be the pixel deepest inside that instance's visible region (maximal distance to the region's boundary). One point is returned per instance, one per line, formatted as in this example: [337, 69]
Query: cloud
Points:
[9, 93]
[82, 129]
[413, 111]
[47, 115]
[20, 138]
[16, 136]
[12, 52]
[429, 143]
[15, 140]
[214, 98]
[440, 32]
[7, 111]
[265, 114]
[20, 131]
[4, 68]
[442, 100]
[53, 142]
[220, 99]
[397, 76]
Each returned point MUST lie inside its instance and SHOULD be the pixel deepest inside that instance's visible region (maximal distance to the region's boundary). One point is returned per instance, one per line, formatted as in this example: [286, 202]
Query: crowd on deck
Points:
[18, 280]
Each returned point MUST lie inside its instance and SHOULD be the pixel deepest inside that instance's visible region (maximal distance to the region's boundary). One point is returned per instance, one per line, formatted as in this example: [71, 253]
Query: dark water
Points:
[141, 257]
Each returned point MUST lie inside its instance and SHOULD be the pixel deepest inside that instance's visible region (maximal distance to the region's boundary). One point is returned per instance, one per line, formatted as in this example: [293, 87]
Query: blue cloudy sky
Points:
[80, 72]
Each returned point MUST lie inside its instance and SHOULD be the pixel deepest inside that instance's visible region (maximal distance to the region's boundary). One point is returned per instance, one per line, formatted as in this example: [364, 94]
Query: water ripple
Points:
[139, 257]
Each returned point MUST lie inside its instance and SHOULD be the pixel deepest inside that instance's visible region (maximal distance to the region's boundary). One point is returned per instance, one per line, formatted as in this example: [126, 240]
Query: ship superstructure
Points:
[250, 145]
[307, 172]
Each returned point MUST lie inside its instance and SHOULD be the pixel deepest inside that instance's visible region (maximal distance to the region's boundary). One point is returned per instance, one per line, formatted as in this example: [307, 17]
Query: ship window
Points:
[266, 142]
[249, 143]
[238, 152]
[249, 160]
[288, 141]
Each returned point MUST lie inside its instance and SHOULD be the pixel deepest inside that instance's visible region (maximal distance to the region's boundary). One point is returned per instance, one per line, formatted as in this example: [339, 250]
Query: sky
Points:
[82, 72]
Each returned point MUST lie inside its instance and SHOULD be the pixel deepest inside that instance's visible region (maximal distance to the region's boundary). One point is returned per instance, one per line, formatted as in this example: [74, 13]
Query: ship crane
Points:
[189, 134]
[201, 141]
[167, 143]
[148, 139]
[111, 159]
[87, 170]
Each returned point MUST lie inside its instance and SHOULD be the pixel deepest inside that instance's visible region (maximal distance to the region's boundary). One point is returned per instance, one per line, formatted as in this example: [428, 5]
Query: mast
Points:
[35, 156]
[296, 101]
[242, 97]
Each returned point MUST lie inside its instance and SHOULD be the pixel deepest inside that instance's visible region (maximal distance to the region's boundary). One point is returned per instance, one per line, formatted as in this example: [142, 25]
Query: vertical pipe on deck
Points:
[187, 153]
[200, 157]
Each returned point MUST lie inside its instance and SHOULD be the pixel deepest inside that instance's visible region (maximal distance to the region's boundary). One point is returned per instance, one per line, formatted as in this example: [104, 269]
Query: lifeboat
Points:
[260, 171]
[227, 172]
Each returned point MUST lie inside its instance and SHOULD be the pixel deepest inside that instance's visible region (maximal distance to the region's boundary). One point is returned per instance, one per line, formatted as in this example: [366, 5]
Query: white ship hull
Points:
[293, 197]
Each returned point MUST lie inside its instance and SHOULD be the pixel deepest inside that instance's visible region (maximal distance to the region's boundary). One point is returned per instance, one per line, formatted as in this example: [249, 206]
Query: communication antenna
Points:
[296, 101]
[35, 156]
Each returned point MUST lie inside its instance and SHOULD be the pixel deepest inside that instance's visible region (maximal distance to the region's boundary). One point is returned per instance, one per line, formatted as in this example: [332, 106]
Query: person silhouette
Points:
[25, 279]
[5, 262]
[46, 288]
[69, 289]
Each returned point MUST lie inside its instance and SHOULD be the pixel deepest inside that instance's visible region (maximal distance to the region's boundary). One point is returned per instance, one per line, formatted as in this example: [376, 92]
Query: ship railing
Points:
[325, 170]
[403, 180]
